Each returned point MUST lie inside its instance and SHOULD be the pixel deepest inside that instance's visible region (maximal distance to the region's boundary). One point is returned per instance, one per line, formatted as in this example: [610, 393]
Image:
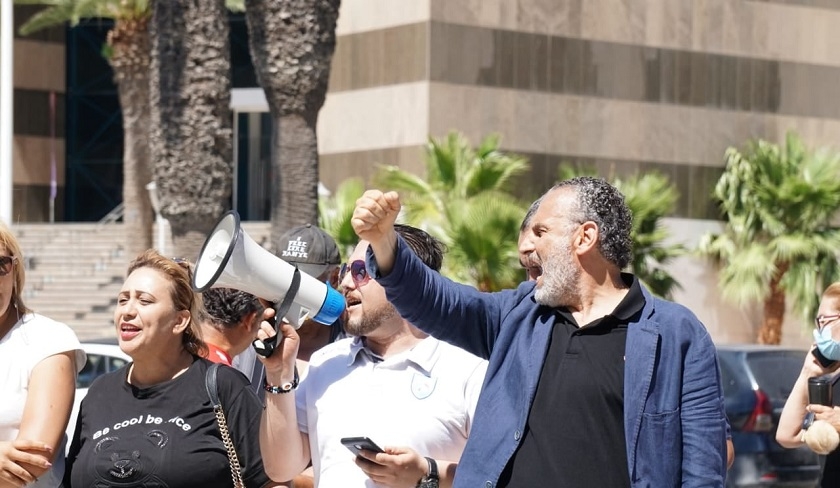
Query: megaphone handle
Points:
[266, 348]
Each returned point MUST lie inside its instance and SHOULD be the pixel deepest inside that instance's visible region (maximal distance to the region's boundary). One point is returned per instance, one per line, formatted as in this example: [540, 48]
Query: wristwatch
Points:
[432, 479]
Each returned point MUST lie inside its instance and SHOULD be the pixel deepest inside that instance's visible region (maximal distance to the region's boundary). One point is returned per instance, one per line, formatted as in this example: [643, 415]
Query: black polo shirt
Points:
[575, 431]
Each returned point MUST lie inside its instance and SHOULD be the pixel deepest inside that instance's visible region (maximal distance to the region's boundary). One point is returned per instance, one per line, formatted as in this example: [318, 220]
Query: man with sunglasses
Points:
[409, 393]
[592, 381]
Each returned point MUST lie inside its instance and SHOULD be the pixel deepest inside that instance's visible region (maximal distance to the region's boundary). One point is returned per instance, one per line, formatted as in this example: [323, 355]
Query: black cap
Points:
[310, 248]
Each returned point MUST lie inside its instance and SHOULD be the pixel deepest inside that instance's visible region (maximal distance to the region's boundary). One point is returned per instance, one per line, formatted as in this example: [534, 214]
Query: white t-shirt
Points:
[423, 398]
[32, 339]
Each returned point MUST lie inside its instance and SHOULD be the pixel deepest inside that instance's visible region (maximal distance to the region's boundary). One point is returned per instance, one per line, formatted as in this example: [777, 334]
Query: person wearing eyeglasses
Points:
[592, 381]
[151, 422]
[412, 395]
[39, 361]
[823, 359]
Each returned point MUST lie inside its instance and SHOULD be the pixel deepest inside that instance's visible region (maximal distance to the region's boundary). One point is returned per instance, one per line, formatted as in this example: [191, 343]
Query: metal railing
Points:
[114, 215]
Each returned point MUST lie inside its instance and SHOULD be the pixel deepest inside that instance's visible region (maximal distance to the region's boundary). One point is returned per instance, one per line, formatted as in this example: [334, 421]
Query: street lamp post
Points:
[6, 108]
[159, 219]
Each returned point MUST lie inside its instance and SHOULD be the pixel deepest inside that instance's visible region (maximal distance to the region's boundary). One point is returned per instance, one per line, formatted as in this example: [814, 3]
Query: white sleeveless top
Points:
[32, 339]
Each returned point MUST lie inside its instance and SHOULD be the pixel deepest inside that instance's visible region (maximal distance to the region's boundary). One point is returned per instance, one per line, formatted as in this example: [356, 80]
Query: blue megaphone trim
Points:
[332, 308]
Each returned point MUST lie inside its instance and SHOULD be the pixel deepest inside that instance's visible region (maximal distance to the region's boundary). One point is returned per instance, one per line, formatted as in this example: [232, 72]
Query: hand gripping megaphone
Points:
[229, 258]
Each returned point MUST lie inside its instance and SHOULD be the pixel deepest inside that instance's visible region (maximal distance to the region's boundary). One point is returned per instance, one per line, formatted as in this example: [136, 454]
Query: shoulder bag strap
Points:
[210, 382]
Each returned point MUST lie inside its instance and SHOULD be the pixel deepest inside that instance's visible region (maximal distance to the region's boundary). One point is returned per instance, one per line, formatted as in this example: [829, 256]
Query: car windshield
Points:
[775, 371]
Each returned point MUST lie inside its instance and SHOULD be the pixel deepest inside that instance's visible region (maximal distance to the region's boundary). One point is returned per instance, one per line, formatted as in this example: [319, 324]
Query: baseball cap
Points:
[310, 248]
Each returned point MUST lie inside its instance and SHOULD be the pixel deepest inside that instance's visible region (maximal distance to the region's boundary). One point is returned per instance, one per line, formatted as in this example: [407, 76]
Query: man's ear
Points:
[251, 321]
[586, 237]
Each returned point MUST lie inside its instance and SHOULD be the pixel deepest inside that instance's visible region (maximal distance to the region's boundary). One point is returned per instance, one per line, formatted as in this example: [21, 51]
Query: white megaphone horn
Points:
[229, 258]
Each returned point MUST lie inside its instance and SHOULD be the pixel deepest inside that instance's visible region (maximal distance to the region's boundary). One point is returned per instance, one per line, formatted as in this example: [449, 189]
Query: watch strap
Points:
[433, 469]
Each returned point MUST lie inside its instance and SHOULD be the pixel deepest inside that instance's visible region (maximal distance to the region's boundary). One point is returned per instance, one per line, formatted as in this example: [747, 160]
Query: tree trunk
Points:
[292, 43]
[191, 118]
[130, 59]
[774, 310]
[294, 146]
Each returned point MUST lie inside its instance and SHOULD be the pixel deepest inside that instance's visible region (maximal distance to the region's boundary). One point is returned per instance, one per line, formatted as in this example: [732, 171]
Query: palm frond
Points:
[791, 247]
[482, 235]
[48, 17]
[235, 5]
[336, 211]
[58, 12]
[464, 200]
[570, 169]
[493, 172]
[745, 279]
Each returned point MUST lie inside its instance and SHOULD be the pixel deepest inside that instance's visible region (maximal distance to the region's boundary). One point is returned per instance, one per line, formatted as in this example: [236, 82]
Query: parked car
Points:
[756, 383]
[103, 356]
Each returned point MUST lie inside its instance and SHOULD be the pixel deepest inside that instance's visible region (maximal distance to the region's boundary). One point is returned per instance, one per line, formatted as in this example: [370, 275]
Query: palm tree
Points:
[650, 197]
[337, 210]
[779, 240]
[128, 50]
[292, 43]
[481, 236]
[465, 201]
[191, 120]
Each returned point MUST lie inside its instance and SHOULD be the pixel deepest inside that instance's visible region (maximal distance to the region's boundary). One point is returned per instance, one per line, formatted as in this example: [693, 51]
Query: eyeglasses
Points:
[6, 264]
[823, 320]
[357, 271]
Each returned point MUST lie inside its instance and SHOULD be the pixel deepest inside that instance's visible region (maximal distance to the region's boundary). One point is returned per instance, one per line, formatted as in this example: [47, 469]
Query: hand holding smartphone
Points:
[356, 444]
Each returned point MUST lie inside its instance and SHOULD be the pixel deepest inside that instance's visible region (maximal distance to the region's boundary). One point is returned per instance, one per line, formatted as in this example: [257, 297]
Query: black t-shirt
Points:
[575, 431]
[165, 435]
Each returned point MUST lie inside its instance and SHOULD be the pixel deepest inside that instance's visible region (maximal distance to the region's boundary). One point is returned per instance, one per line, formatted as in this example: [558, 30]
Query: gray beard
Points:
[559, 280]
[556, 294]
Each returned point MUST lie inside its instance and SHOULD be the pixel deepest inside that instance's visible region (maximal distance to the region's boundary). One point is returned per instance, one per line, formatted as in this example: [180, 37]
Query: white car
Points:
[102, 357]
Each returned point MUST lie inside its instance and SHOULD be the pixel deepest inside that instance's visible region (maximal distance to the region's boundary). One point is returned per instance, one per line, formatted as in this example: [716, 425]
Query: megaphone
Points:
[229, 258]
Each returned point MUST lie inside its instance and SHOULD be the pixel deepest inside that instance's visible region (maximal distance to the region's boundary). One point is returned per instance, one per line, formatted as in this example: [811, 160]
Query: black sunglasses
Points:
[6, 264]
[357, 271]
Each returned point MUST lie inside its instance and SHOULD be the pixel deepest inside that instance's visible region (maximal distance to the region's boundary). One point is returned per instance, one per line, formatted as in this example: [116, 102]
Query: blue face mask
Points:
[826, 344]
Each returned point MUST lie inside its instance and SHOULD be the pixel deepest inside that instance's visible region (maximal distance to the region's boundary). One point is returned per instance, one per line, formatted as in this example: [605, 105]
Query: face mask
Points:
[827, 346]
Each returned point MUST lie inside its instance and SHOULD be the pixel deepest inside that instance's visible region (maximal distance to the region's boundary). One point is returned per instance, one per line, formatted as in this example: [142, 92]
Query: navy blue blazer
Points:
[674, 421]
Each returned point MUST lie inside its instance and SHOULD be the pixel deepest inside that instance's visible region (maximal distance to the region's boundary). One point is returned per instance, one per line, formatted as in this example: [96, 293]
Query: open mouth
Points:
[351, 301]
[127, 331]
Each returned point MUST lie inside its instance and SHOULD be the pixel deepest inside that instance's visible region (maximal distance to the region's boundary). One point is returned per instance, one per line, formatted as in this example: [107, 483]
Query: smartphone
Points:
[356, 444]
[824, 361]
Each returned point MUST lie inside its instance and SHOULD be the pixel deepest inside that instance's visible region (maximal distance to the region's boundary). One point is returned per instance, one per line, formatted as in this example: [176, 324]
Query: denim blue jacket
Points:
[674, 422]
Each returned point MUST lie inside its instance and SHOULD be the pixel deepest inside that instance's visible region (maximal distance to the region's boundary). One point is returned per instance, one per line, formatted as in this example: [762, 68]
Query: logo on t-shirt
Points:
[126, 462]
[422, 386]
